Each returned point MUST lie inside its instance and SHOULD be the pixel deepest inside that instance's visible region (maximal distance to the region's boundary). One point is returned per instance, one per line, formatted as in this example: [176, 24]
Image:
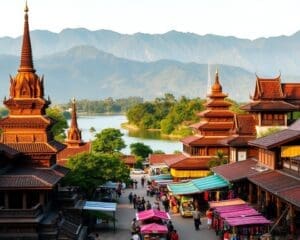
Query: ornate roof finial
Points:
[26, 10]
[74, 114]
[216, 87]
[26, 64]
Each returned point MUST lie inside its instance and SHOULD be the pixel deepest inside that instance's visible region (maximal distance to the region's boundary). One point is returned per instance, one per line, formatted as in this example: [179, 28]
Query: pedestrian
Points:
[196, 217]
[135, 183]
[134, 201]
[130, 197]
[174, 235]
[148, 205]
[135, 236]
[143, 181]
[209, 215]
[134, 225]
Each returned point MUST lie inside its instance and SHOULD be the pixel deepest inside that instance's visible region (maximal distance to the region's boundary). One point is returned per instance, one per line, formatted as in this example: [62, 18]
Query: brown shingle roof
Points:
[30, 178]
[25, 122]
[238, 141]
[72, 151]
[215, 113]
[182, 161]
[270, 88]
[161, 158]
[50, 147]
[276, 106]
[190, 139]
[291, 195]
[128, 159]
[236, 171]
[291, 90]
[276, 139]
[245, 124]
[274, 181]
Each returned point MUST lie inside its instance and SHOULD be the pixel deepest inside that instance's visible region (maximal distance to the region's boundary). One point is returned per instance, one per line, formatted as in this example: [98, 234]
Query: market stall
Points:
[234, 219]
[154, 230]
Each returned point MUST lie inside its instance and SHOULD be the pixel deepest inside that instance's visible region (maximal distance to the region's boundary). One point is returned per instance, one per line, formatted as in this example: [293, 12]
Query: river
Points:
[152, 139]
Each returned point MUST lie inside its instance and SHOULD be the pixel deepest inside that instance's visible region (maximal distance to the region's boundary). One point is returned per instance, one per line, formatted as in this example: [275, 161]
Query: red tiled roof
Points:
[236, 171]
[291, 90]
[128, 159]
[277, 106]
[270, 88]
[185, 162]
[216, 113]
[276, 139]
[25, 122]
[274, 181]
[30, 178]
[72, 151]
[161, 158]
[214, 125]
[190, 139]
[245, 124]
[50, 147]
[206, 141]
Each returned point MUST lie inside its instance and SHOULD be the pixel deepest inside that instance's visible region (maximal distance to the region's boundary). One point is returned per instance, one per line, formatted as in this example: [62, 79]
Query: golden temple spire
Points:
[26, 64]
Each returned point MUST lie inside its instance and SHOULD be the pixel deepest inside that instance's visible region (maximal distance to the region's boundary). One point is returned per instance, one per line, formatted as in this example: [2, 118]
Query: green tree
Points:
[109, 140]
[158, 152]
[269, 131]
[218, 160]
[140, 150]
[89, 170]
[60, 126]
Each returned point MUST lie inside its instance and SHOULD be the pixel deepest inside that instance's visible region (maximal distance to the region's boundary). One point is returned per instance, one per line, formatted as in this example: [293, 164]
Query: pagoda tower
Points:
[74, 133]
[27, 128]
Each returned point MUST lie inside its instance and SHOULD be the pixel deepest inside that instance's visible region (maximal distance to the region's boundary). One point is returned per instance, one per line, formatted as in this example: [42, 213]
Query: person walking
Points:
[209, 215]
[174, 235]
[196, 217]
[134, 201]
[130, 197]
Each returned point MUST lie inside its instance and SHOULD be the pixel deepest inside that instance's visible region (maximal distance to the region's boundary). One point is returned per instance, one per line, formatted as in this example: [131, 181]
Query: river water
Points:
[152, 139]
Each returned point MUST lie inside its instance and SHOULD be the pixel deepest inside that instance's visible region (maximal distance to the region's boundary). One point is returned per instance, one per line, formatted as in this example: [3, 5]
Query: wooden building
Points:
[29, 175]
[273, 103]
[272, 181]
[219, 129]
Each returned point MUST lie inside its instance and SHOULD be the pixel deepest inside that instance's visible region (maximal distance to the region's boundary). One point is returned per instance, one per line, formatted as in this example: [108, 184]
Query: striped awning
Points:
[198, 185]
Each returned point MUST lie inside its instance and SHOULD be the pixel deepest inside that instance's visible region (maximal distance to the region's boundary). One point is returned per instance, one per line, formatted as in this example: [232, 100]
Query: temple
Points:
[219, 131]
[29, 175]
[273, 103]
[74, 142]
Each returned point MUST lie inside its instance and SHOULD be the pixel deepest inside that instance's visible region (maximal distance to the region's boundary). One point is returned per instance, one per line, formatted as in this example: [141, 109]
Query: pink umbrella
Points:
[154, 228]
[152, 213]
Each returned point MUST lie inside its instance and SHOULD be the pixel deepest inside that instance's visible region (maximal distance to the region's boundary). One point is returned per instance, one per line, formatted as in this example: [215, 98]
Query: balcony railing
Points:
[21, 213]
[273, 123]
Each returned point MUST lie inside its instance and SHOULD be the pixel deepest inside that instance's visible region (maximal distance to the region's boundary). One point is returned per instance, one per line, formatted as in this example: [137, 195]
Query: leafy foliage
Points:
[89, 170]
[108, 105]
[58, 129]
[140, 150]
[166, 114]
[269, 131]
[109, 140]
[218, 160]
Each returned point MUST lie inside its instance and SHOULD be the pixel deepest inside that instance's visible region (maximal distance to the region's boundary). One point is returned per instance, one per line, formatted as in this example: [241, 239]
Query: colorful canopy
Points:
[230, 202]
[161, 177]
[154, 228]
[247, 220]
[198, 185]
[152, 213]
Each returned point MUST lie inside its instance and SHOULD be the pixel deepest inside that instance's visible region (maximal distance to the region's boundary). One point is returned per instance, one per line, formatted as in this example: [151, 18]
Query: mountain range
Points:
[108, 64]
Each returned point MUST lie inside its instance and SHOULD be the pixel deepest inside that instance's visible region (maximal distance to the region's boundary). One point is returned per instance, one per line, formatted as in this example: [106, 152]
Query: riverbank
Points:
[132, 127]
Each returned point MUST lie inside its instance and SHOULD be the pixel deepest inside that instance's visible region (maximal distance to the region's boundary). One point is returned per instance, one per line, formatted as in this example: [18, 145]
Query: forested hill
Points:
[87, 73]
[263, 55]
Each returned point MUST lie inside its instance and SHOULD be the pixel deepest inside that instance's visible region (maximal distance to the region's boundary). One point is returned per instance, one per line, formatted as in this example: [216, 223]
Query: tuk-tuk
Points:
[186, 207]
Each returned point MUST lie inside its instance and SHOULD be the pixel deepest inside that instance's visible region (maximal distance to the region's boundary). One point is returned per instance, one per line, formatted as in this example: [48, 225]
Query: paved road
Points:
[125, 213]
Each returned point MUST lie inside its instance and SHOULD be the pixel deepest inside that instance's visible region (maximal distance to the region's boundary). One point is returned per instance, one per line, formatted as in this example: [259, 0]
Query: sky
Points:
[241, 18]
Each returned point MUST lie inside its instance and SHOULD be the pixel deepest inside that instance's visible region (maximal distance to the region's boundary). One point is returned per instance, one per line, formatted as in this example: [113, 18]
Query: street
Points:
[125, 213]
